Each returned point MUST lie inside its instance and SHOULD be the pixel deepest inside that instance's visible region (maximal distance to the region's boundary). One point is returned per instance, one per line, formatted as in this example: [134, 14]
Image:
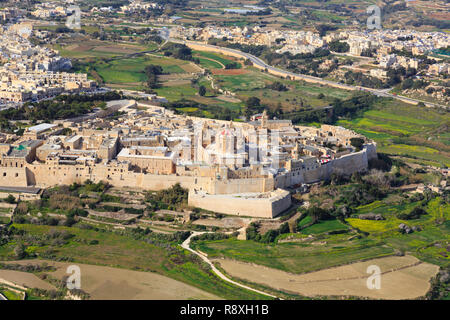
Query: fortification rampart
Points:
[243, 205]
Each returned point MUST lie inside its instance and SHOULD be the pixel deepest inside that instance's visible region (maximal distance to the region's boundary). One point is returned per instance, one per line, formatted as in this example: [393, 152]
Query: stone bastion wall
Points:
[249, 205]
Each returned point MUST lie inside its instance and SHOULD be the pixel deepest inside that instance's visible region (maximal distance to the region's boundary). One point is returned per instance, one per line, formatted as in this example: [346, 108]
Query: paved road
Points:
[257, 62]
[186, 246]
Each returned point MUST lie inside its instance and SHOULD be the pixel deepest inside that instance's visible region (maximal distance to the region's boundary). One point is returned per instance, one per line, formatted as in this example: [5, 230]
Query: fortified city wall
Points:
[47, 175]
[243, 205]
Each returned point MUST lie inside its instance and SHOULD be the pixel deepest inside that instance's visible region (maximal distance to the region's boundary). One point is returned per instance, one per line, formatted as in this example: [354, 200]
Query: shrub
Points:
[10, 199]
[357, 143]
[414, 214]
[63, 201]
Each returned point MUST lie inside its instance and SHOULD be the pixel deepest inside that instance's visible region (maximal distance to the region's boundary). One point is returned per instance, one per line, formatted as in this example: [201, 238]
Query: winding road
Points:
[260, 64]
[186, 245]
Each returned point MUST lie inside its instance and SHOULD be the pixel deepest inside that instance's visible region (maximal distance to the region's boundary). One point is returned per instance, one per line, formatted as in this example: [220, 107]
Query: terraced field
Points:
[401, 278]
[420, 134]
[296, 257]
[119, 251]
[435, 210]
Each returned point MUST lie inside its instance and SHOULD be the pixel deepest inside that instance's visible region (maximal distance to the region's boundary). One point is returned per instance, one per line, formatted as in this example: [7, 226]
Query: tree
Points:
[19, 251]
[357, 143]
[10, 199]
[284, 228]
[253, 102]
[317, 214]
[202, 91]
[338, 46]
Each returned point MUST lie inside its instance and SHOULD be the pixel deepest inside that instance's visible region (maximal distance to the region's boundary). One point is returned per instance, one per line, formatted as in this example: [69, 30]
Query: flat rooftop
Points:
[41, 127]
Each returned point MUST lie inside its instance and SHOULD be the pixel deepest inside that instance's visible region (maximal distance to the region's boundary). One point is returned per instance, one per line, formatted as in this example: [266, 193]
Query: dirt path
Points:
[186, 246]
[401, 278]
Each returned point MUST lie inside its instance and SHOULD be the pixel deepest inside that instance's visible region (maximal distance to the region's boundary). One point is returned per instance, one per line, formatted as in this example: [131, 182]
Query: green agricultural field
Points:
[406, 130]
[219, 59]
[419, 243]
[210, 64]
[176, 92]
[101, 49]
[132, 70]
[124, 251]
[434, 208]
[9, 294]
[253, 83]
[325, 226]
[295, 257]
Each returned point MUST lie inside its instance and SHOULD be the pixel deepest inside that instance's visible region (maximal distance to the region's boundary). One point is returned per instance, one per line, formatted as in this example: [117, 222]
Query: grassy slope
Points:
[295, 257]
[124, 252]
[333, 250]
[407, 130]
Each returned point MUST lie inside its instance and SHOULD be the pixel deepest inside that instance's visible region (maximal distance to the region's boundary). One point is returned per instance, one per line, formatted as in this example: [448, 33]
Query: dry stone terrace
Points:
[216, 160]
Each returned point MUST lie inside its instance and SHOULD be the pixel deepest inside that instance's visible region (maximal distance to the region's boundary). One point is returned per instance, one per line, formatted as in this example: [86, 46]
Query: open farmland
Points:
[401, 278]
[295, 257]
[100, 49]
[114, 283]
[251, 82]
[113, 249]
[129, 72]
[420, 134]
[24, 279]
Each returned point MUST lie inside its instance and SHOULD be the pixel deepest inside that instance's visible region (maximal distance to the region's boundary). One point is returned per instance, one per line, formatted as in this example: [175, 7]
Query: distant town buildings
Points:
[31, 72]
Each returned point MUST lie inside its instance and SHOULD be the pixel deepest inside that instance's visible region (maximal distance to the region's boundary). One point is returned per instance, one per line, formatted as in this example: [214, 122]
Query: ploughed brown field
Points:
[113, 283]
[229, 72]
[24, 279]
[401, 278]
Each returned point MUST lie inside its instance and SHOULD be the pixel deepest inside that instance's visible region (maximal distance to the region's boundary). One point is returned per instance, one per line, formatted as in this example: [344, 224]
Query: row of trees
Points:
[62, 107]
[152, 72]
[252, 232]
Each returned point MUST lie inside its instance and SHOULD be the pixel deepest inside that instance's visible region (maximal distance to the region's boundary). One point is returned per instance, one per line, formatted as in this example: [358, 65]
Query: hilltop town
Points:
[253, 150]
[154, 149]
